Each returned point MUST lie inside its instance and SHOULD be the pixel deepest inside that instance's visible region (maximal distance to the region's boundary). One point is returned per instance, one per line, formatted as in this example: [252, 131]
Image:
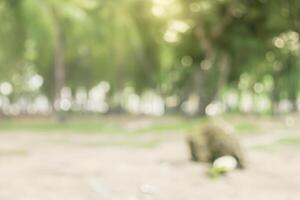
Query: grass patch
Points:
[175, 127]
[117, 125]
[90, 125]
[286, 141]
[293, 141]
[13, 152]
[51, 125]
[269, 147]
[136, 144]
[246, 127]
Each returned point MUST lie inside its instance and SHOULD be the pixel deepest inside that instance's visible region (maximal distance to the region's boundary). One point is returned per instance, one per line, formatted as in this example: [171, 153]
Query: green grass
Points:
[117, 125]
[268, 148]
[13, 152]
[50, 125]
[246, 127]
[291, 141]
[125, 143]
[175, 127]
[90, 125]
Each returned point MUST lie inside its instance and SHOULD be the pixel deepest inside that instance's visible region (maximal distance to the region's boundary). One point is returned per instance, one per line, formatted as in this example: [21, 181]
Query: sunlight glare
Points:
[6, 88]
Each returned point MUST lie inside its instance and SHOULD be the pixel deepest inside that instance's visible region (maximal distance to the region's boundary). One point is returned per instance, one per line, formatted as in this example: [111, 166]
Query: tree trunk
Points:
[205, 91]
[275, 95]
[59, 70]
[59, 66]
[293, 98]
[211, 75]
[209, 82]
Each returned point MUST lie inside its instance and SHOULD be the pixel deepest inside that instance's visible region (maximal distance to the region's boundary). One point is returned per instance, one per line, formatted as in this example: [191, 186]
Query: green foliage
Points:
[177, 48]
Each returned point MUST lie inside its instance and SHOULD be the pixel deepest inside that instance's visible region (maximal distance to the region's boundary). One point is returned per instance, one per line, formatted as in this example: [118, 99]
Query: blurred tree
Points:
[176, 48]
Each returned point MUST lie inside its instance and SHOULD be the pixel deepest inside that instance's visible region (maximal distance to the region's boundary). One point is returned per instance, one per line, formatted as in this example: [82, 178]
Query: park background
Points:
[97, 97]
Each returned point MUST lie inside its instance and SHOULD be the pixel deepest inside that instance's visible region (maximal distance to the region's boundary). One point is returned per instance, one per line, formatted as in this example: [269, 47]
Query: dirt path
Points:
[99, 167]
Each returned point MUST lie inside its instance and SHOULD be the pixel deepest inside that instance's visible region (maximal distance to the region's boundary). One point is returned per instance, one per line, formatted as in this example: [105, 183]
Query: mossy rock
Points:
[212, 142]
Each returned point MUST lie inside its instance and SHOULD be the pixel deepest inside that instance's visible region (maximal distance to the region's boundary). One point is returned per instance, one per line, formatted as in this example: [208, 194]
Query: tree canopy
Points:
[205, 50]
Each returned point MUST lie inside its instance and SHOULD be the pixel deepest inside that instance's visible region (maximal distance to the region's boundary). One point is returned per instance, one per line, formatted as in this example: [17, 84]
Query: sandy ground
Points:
[102, 167]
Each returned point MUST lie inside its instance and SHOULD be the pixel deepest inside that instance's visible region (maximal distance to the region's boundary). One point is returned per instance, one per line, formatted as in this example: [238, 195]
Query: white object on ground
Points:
[225, 163]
